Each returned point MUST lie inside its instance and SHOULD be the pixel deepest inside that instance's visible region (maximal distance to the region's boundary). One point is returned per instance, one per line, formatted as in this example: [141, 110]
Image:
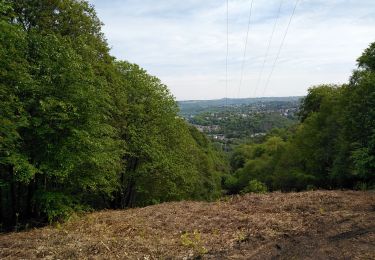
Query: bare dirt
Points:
[306, 225]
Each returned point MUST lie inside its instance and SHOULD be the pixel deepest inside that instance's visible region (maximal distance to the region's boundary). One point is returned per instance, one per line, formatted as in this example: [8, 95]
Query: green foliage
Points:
[55, 205]
[165, 159]
[363, 160]
[314, 100]
[367, 60]
[193, 241]
[260, 161]
[293, 180]
[79, 129]
[332, 147]
[255, 186]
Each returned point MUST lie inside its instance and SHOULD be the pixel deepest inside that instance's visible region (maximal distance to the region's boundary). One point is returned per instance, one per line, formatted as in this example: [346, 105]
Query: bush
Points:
[230, 183]
[57, 206]
[255, 186]
[293, 180]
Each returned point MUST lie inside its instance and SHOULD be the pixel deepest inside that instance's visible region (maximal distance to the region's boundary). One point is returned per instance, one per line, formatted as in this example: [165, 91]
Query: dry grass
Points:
[308, 225]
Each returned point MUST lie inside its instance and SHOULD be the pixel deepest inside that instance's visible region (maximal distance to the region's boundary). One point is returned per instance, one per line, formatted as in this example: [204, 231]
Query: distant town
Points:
[250, 118]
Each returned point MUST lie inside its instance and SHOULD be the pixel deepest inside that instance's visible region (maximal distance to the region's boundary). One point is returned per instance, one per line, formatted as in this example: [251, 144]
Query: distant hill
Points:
[197, 106]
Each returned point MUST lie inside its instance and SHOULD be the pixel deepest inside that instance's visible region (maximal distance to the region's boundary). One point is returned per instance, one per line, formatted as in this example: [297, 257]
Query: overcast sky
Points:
[184, 43]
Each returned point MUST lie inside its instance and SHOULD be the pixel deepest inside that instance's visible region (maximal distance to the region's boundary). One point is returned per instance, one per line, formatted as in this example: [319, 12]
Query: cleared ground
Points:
[306, 225]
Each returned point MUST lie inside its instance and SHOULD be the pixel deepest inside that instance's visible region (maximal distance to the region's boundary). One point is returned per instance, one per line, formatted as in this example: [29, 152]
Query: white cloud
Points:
[184, 42]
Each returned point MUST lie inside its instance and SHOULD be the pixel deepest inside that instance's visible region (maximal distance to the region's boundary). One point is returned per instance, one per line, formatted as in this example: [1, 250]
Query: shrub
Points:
[255, 186]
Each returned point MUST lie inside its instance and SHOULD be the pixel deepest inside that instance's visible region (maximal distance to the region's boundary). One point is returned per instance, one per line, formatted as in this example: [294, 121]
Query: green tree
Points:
[164, 160]
[356, 160]
[260, 161]
[15, 167]
[57, 143]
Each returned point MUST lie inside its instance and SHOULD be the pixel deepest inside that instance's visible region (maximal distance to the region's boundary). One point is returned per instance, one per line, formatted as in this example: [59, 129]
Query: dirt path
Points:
[307, 225]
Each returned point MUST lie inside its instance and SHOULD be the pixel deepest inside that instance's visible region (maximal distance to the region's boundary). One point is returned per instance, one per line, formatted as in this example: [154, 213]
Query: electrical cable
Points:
[226, 60]
[245, 49]
[280, 47]
[268, 48]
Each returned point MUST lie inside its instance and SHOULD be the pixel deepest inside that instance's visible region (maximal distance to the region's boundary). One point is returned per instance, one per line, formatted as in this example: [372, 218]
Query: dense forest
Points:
[81, 130]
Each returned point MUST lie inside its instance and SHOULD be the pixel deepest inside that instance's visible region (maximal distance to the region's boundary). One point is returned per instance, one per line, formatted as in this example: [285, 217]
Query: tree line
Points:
[82, 130]
[332, 147]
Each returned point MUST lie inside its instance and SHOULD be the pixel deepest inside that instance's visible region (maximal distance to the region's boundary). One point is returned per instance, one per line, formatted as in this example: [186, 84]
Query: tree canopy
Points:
[333, 146]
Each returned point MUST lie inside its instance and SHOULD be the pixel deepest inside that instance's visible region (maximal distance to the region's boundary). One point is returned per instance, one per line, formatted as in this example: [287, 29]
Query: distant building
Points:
[219, 137]
[258, 134]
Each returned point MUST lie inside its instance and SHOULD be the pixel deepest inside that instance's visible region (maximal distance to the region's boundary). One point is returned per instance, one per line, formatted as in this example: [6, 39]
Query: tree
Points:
[57, 144]
[15, 166]
[358, 123]
[164, 160]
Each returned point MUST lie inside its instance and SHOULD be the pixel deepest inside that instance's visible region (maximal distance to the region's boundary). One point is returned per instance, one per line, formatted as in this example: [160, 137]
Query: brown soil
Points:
[306, 225]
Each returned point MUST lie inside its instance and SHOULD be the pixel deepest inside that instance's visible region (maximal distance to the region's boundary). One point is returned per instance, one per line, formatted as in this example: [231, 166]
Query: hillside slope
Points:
[309, 225]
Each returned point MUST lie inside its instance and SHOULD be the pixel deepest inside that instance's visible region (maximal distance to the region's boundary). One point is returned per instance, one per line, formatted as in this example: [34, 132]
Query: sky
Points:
[184, 43]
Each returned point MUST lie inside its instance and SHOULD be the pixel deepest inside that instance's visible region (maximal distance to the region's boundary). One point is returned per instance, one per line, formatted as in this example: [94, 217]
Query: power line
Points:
[268, 48]
[280, 47]
[245, 49]
[226, 60]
